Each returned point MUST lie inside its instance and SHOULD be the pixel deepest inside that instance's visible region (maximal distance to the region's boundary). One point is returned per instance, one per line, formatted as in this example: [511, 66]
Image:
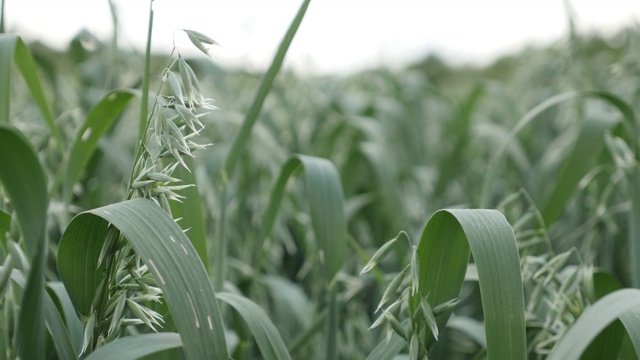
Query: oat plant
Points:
[125, 293]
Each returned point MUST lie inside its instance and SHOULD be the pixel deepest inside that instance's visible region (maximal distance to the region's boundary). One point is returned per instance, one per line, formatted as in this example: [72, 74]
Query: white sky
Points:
[335, 36]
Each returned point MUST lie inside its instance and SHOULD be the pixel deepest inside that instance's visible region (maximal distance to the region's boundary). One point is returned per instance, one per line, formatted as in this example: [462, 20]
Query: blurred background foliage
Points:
[405, 142]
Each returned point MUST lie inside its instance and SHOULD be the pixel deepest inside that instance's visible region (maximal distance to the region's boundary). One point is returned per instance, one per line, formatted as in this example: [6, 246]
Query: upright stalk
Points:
[1, 16]
[633, 181]
[240, 141]
[331, 334]
[145, 79]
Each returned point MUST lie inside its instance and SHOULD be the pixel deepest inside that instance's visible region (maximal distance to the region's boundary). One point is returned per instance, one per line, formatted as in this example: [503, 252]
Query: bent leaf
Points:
[13, 49]
[326, 205]
[595, 319]
[24, 183]
[447, 240]
[98, 121]
[267, 336]
[171, 258]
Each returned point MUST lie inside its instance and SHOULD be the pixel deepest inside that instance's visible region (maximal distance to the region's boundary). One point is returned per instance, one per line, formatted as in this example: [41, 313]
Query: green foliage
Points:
[118, 240]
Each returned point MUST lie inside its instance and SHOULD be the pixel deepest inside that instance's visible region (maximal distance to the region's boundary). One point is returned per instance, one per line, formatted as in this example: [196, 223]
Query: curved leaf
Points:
[137, 346]
[631, 321]
[613, 100]
[593, 320]
[578, 162]
[443, 255]
[25, 184]
[171, 259]
[13, 49]
[98, 121]
[267, 336]
[72, 322]
[326, 205]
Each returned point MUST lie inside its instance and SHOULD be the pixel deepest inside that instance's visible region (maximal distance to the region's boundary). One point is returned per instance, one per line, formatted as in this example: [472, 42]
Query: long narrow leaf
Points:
[265, 333]
[57, 330]
[171, 258]
[98, 121]
[14, 50]
[239, 142]
[24, 182]
[496, 163]
[577, 164]
[326, 204]
[72, 322]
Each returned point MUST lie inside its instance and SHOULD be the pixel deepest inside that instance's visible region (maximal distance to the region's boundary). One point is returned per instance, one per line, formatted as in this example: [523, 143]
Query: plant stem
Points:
[331, 332]
[145, 78]
[633, 179]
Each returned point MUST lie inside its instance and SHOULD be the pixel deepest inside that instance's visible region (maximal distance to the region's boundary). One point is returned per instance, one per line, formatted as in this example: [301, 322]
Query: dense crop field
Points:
[434, 212]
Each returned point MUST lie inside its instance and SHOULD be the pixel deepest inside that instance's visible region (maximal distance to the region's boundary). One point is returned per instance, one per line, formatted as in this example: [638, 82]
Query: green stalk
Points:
[633, 181]
[331, 335]
[145, 79]
[1, 16]
[240, 141]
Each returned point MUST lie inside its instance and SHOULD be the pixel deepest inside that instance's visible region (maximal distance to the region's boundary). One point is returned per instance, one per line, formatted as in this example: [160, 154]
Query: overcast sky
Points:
[335, 36]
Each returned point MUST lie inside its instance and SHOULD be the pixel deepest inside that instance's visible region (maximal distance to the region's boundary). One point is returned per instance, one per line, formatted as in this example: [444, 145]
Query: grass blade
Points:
[241, 139]
[55, 325]
[631, 321]
[72, 322]
[190, 210]
[7, 49]
[171, 258]
[387, 350]
[613, 100]
[578, 162]
[269, 341]
[14, 50]
[98, 121]
[444, 253]
[595, 319]
[324, 191]
[136, 347]
[24, 182]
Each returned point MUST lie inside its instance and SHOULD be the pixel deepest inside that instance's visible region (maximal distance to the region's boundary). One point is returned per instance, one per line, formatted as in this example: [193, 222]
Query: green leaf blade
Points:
[172, 260]
[595, 319]
[269, 341]
[98, 121]
[444, 252]
[137, 346]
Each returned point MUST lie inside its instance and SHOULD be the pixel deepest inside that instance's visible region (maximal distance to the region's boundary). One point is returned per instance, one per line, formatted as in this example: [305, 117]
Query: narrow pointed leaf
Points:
[14, 50]
[24, 183]
[97, 123]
